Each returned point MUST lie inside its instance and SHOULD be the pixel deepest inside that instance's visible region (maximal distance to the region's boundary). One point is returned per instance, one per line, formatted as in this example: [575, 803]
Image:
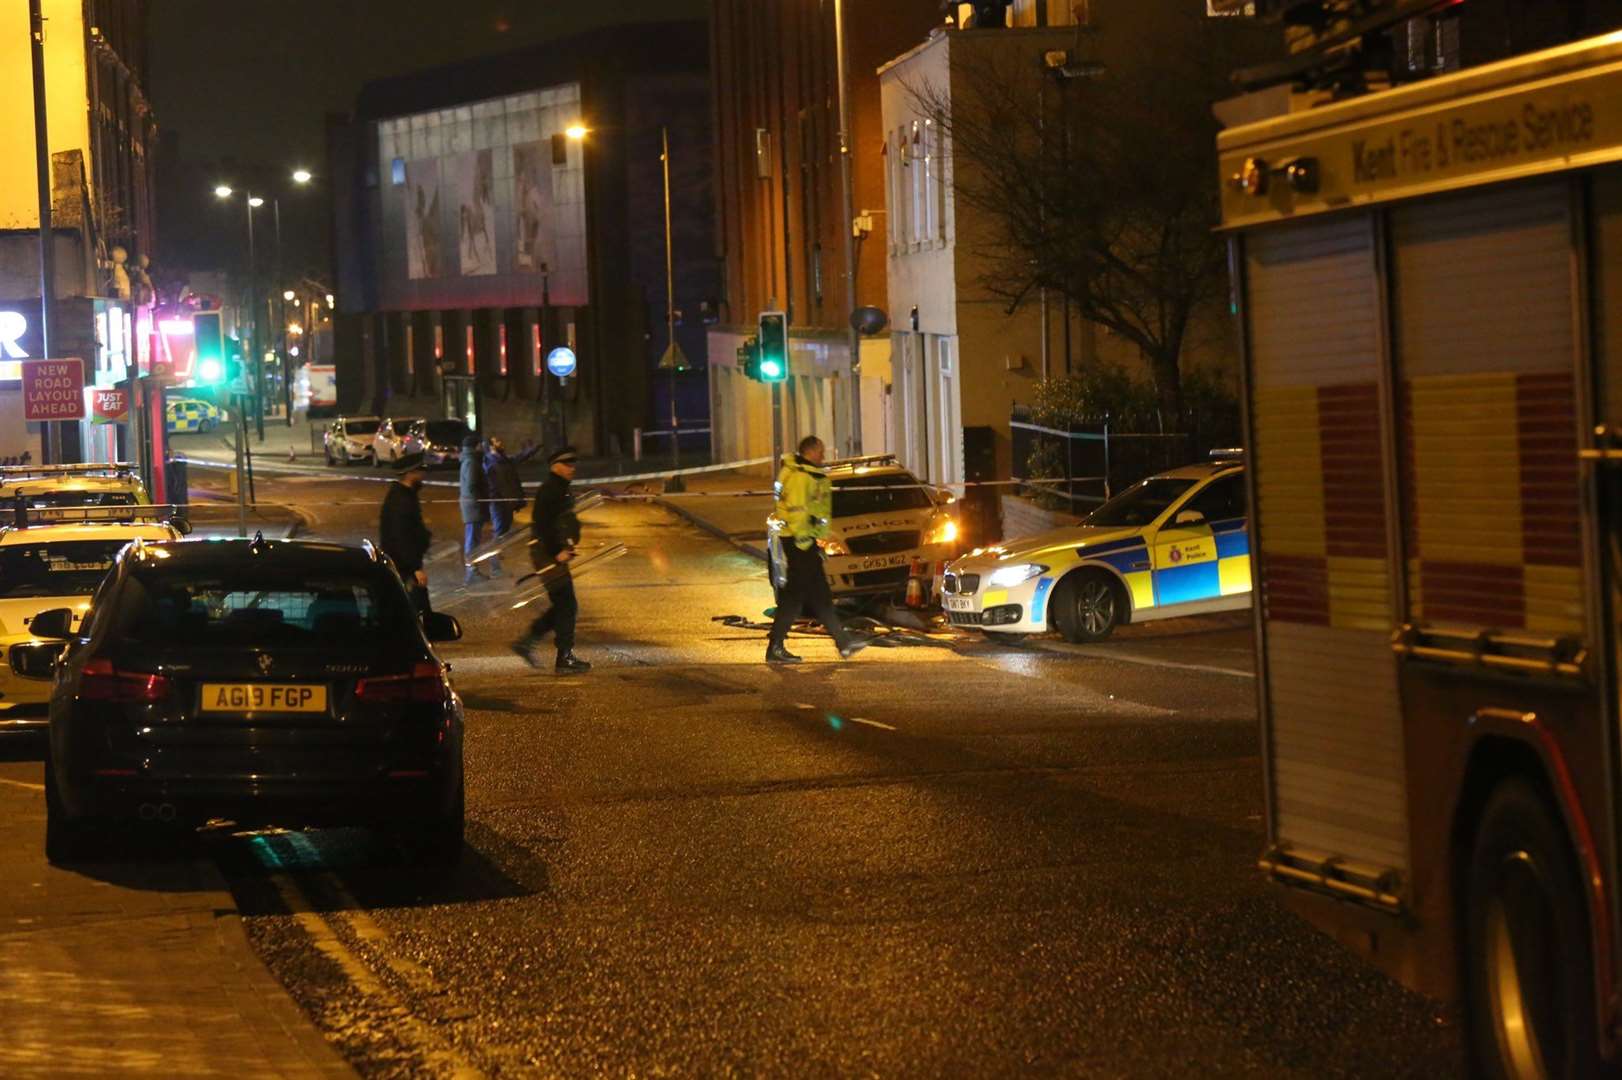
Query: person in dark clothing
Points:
[555, 531]
[403, 534]
[473, 497]
[506, 489]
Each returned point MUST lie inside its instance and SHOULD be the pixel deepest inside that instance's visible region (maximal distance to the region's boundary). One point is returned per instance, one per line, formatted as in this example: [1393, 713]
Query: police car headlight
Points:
[1006, 577]
[830, 546]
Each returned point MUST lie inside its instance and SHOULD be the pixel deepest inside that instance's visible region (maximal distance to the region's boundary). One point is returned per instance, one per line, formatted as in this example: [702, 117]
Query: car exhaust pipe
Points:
[148, 812]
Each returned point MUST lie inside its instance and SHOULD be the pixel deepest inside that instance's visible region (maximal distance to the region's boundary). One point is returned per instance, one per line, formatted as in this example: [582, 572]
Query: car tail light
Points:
[100, 681]
[423, 683]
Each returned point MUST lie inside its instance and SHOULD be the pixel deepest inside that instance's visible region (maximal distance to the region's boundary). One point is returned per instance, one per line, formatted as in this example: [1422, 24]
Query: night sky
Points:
[244, 86]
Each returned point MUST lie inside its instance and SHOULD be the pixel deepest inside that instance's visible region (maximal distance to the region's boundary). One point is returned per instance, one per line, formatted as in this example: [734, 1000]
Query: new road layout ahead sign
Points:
[53, 389]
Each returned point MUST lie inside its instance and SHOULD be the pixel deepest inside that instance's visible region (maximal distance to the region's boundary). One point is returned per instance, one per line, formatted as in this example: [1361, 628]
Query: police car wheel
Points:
[1087, 607]
[1529, 958]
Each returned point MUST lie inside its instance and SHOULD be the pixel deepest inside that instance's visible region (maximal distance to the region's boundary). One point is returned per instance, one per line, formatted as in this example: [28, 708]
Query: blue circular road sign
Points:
[561, 362]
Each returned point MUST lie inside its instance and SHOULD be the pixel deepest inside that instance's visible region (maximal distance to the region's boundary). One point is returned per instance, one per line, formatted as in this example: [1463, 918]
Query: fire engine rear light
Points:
[100, 681]
[423, 683]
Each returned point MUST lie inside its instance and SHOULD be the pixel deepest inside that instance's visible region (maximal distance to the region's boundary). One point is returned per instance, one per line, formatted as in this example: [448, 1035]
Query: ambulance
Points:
[1429, 286]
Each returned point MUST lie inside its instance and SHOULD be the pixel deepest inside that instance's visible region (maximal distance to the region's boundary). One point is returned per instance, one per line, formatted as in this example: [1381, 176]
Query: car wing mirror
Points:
[441, 627]
[181, 526]
[57, 624]
[1190, 517]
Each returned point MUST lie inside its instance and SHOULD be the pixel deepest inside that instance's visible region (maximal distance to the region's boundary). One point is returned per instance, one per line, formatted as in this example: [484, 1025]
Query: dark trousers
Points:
[501, 518]
[472, 533]
[559, 618]
[806, 588]
[419, 598]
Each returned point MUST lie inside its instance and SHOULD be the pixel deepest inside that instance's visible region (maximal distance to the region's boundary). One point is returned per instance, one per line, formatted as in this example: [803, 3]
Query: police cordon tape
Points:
[597, 482]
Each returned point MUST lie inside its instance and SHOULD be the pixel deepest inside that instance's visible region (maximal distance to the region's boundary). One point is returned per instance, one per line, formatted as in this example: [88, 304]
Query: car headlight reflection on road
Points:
[1008, 576]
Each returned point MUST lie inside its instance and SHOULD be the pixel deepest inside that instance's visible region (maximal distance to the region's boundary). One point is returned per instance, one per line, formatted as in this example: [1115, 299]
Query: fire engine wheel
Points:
[1530, 962]
[1087, 606]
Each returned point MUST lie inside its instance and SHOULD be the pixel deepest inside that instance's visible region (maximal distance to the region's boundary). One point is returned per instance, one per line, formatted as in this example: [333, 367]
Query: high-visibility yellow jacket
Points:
[805, 499]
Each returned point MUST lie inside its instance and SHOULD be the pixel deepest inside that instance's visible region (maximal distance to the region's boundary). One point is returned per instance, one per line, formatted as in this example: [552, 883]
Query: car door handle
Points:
[1138, 566]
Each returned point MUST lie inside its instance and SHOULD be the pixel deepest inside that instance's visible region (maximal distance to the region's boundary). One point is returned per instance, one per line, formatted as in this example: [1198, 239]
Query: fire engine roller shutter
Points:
[1334, 722]
[1489, 448]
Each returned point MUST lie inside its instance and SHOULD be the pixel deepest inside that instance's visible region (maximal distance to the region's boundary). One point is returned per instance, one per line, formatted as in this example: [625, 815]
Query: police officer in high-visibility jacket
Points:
[804, 503]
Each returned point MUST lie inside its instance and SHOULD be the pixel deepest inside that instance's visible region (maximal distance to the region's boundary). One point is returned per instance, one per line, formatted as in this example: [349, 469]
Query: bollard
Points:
[636, 444]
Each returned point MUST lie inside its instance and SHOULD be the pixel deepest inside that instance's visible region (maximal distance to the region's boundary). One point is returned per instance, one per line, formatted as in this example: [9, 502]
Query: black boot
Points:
[777, 654]
[570, 664]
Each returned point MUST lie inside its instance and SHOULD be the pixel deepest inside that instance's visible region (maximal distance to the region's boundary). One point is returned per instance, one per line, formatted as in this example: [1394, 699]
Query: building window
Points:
[915, 201]
[410, 350]
[439, 343]
[535, 347]
[501, 350]
[397, 172]
[468, 334]
[939, 193]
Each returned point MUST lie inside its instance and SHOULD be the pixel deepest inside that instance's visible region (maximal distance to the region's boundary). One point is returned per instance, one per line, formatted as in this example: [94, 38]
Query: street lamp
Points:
[301, 176]
[576, 131]
[289, 295]
[224, 191]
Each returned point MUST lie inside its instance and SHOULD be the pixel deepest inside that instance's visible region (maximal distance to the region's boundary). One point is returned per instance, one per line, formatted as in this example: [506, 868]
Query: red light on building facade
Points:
[501, 350]
[535, 347]
[469, 338]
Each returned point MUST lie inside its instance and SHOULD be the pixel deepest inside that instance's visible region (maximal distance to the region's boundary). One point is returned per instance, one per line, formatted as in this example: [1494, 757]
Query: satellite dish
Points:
[869, 320]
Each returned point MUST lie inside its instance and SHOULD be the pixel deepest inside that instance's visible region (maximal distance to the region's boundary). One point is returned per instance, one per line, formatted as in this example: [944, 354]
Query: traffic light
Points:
[773, 346]
[749, 359]
[209, 338]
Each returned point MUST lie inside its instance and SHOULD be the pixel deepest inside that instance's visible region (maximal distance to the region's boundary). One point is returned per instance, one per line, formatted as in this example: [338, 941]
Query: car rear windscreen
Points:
[228, 610]
[79, 498]
[59, 568]
[447, 432]
[361, 427]
[878, 494]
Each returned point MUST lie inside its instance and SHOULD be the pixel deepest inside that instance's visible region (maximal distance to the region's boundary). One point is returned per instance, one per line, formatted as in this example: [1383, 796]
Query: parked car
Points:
[349, 439]
[396, 437]
[884, 519]
[265, 683]
[442, 442]
[182, 415]
[41, 487]
[47, 563]
[1174, 544]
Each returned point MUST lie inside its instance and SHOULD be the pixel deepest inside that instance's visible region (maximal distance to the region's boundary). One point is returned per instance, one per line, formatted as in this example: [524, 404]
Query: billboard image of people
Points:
[476, 212]
[532, 205]
[423, 258]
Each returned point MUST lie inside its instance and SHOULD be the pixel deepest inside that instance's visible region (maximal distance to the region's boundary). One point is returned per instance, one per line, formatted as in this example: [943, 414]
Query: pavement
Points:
[949, 856]
[136, 969]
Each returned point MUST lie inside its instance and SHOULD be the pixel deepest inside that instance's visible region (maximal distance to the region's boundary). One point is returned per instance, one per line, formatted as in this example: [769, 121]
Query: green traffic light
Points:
[210, 370]
[771, 369]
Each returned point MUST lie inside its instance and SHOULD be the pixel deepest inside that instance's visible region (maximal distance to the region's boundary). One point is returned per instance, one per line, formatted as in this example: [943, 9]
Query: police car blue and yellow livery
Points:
[190, 414]
[1174, 544]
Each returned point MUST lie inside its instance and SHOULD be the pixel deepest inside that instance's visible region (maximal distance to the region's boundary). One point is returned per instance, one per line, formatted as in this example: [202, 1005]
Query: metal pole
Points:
[675, 483]
[47, 245]
[848, 194]
[281, 323]
[258, 347]
[242, 486]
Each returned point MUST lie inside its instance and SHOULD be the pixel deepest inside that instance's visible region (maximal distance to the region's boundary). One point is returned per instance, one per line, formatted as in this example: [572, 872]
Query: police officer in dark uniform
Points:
[403, 534]
[555, 531]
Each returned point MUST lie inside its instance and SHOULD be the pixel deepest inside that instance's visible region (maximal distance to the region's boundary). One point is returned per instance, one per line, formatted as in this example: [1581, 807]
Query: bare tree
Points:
[1096, 176]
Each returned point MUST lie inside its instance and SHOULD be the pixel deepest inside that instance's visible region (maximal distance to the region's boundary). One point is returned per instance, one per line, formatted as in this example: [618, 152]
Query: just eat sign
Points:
[53, 389]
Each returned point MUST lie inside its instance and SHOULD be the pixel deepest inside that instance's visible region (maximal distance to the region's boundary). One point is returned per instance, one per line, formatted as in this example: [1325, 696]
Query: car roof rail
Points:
[106, 468]
[24, 516]
[1229, 455]
[867, 459]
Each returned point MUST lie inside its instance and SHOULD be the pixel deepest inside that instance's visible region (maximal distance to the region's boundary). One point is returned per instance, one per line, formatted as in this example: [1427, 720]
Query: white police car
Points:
[1174, 544]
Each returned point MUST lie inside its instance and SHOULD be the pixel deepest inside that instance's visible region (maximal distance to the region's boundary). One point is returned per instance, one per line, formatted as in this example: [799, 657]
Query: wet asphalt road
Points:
[959, 859]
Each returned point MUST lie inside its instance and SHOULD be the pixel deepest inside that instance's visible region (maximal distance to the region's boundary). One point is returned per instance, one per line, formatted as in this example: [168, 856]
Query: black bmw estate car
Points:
[263, 683]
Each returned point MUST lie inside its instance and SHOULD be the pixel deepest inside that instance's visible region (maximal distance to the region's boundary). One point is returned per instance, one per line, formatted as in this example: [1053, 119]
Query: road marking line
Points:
[872, 723]
[361, 977]
[25, 785]
[1098, 652]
